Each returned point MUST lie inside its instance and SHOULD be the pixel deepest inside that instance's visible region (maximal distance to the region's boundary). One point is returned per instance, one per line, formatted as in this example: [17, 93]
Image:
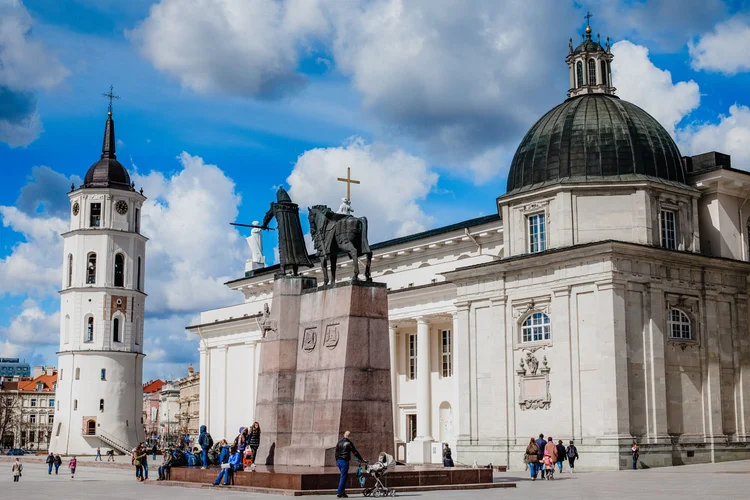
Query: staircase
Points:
[113, 442]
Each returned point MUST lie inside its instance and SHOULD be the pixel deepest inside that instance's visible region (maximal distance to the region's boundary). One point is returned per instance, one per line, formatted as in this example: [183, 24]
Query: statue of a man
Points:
[255, 242]
[346, 207]
[292, 249]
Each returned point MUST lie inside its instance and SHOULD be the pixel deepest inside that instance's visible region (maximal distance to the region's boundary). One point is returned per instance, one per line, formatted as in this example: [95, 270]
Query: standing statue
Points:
[292, 250]
[255, 243]
[333, 233]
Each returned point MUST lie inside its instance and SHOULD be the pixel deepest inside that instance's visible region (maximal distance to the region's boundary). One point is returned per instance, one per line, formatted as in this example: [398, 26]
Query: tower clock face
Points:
[76, 208]
[121, 207]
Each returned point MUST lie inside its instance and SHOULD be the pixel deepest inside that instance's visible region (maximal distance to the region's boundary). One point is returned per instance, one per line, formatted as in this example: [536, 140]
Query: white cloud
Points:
[244, 48]
[192, 249]
[25, 66]
[731, 135]
[33, 326]
[392, 183]
[725, 49]
[640, 82]
[34, 265]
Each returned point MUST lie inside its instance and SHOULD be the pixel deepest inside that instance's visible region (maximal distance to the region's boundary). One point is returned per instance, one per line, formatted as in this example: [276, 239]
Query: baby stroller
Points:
[378, 470]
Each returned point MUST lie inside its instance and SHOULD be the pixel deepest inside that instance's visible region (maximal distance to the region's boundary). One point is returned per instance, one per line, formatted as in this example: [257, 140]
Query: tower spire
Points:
[108, 144]
[589, 65]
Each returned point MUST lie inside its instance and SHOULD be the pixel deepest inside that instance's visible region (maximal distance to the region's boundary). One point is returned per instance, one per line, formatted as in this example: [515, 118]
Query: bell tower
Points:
[99, 389]
[589, 65]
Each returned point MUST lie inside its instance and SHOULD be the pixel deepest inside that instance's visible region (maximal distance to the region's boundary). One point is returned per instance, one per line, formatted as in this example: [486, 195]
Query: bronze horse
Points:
[334, 233]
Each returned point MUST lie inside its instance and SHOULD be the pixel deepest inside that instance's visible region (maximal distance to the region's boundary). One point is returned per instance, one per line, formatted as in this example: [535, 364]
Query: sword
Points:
[250, 225]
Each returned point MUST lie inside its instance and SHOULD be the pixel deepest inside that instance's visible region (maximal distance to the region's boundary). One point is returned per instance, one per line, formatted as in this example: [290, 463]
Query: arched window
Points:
[119, 269]
[78, 374]
[592, 72]
[91, 269]
[89, 330]
[138, 276]
[679, 325]
[116, 330]
[70, 270]
[91, 427]
[101, 405]
[579, 73]
[604, 72]
[535, 328]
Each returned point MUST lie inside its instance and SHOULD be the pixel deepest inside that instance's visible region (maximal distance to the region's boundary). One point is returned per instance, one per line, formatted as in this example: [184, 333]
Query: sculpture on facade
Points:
[333, 233]
[292, 249]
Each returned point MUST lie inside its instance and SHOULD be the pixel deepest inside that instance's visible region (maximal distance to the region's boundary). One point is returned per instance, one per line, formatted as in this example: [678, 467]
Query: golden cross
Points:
[349, 181]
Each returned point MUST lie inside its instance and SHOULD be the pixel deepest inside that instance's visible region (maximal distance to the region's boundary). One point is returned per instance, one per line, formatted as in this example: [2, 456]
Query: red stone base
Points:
[323, 479]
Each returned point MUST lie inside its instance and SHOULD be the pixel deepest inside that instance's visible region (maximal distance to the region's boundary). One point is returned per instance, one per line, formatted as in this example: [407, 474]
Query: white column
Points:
[394, 375]
[423, 380]
[203, 402]
[251, 369]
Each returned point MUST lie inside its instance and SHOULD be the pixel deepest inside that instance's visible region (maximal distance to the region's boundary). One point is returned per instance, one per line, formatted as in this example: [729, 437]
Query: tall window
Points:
[138, 276]
[592, 72]
[50, 419]
[104, 374]
[32, 419]
[51, 402]
[70, 270]
[91, 269]
[668, 222]
[537, 233]
[137, 220]
[78, 373]
[75, 404]
[101, 405]
[535, 328]
[119, 269]
[579, 73]
[412, 356]
[411, 427]
[679, 325]
[116, 330]
[604, 72]
[95, 215]
[33, 402]
[90, 329]
[446, 353]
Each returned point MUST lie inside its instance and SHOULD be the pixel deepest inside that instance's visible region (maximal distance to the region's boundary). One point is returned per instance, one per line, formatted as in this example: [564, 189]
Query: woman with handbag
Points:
[532, 458]
[17, 468]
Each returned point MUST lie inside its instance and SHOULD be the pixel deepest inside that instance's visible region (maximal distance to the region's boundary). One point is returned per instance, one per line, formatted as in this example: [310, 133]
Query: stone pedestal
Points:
[342, 377]
[278, 364]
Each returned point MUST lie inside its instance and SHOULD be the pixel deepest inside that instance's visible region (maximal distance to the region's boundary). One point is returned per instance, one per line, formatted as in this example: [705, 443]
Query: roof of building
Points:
[153, 386]
[107, 172]
[594, 138]
[31, 385]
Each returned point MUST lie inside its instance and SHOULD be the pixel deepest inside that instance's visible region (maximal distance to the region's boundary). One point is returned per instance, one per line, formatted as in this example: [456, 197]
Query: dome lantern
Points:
[589, 65]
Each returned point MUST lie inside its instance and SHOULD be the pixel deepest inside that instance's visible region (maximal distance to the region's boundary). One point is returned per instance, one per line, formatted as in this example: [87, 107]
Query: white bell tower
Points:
[99, 389]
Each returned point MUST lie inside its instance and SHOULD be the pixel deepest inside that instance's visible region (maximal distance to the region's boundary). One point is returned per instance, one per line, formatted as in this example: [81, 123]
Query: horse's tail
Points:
[364, 245]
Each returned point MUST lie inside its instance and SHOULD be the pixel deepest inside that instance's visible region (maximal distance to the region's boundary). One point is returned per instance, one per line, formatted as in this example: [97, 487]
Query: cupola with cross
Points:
[589, 65]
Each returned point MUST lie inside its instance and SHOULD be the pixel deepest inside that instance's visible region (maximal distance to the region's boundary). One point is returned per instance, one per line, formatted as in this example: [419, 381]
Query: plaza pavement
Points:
[710, 481]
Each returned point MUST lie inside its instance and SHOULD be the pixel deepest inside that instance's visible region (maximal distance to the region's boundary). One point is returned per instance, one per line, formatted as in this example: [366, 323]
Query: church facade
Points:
[605, 303]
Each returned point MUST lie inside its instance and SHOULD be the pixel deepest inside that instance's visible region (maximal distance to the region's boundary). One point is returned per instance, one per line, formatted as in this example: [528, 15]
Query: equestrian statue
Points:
[335, 233]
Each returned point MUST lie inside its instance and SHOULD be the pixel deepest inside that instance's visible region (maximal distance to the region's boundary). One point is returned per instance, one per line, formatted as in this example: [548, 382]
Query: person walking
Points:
[572, 453]
[98, 454]
[50, 461]
[72, 464]
[447, 456]
[17, 469]
[532, 458]
[541, 443]
[344, 450]
[561, 455]
[206, 442]
[253, 439]
[550, 450]
[153, 452]
[58, 463]
[111, 456]
[636, 454]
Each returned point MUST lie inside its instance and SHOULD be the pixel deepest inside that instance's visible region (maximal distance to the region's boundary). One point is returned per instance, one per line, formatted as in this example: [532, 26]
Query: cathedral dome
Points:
[107, 172]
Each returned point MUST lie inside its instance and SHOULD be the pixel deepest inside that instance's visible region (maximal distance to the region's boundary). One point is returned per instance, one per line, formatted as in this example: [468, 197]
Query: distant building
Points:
[190, 403]
[151, 395]
[27, 410]
[13, 367]
[169, 414]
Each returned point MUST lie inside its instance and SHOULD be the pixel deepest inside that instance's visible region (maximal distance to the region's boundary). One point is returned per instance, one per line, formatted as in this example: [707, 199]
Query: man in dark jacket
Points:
[206, 442]
[344, 450]
[50, 462]
[541, 443]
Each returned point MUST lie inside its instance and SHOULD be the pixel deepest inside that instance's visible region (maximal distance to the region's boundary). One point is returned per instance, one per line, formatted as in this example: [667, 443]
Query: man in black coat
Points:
[541, 443]
[344, 450]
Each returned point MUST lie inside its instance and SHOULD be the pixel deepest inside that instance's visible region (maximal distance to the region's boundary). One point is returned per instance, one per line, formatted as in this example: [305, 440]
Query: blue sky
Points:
[223, 101]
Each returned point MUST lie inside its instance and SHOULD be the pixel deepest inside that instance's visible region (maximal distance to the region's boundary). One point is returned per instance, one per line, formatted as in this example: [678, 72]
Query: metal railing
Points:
[113, 442]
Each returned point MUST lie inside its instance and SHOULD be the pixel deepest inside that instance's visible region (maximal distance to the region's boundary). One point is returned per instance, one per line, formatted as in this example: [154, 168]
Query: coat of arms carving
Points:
[309, 338]
[331, 337]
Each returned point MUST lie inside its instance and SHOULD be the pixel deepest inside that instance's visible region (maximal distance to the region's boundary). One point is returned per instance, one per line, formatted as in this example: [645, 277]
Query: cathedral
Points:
[605, 302]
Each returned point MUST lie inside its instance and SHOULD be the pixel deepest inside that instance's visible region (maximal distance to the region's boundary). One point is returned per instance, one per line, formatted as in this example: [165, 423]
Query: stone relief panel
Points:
[533, 383]
[309, 339]
[331, 336]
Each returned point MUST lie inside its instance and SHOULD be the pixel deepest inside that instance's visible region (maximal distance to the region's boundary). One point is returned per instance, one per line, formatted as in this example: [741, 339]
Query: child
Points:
[549, 467]
[72, 466]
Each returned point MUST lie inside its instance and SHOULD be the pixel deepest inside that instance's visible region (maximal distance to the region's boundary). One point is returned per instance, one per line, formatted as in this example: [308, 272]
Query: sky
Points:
[221, 101]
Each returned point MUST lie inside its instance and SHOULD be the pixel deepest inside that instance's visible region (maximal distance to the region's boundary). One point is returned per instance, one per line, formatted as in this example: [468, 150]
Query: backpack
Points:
[192, 460]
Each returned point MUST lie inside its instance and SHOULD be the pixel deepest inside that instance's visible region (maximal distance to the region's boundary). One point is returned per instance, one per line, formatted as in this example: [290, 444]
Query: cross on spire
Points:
[111, 96]
[588, 17]
[349, 181]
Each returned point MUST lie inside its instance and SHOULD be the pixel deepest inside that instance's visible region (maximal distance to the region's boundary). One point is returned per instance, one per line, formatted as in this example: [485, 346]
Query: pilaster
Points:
[461, 370]
[424, 417]
[655, 367]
